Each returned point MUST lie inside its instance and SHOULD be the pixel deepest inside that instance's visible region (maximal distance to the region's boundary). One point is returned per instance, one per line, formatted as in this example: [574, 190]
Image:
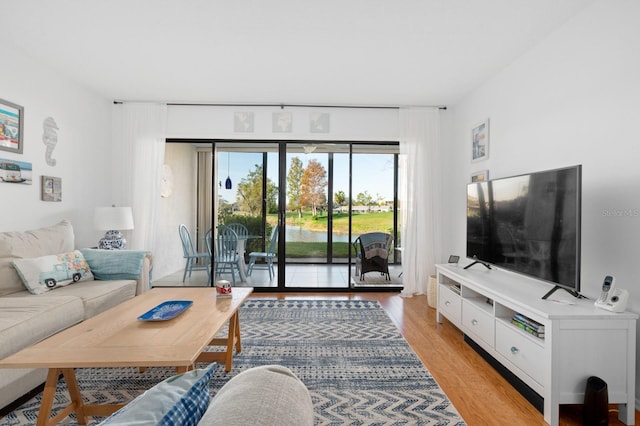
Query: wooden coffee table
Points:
[116, 338]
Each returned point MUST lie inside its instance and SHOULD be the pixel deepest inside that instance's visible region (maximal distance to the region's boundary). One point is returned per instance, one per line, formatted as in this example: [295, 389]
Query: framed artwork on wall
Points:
[11, 126]
[480, 141]
[319, 122]
[14, 171]
[480, 176]
[243, 122]
[51, 188]
[282, 122]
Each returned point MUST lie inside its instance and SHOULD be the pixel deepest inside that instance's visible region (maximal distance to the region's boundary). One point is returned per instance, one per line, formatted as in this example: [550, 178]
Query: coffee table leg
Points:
[74, 392]
[231, 338]
[237, 334]
[48, 396]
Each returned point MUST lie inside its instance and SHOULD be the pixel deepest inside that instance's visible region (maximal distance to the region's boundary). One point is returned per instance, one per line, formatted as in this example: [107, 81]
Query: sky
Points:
[371, 172]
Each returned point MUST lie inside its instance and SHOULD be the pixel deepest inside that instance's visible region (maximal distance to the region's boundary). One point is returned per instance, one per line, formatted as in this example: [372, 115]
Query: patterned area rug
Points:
[356, 364]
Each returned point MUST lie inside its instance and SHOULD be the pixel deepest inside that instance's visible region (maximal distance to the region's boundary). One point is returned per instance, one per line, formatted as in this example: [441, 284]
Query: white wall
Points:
[82, 152]
[573, 99]
[345, 124]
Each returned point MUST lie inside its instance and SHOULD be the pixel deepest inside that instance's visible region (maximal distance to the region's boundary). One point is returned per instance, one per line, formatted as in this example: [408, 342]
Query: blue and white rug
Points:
[357, 366]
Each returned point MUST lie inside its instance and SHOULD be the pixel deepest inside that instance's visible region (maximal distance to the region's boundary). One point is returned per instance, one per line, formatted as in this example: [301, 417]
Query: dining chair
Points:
[226, 252]
[240, 229]
[243, 238]
[191, 256]
[268, 256]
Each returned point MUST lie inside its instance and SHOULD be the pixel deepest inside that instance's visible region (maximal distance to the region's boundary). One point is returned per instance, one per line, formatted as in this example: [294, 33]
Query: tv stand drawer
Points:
[478, 323]
[449, 304]
[520, 351]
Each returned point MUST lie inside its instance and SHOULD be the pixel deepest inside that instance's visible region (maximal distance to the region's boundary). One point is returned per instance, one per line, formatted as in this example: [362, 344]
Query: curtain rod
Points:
[282, 106]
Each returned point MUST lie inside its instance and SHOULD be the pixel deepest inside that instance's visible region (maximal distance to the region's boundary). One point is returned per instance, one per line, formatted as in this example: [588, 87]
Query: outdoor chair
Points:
[226, 253]
[240, 230]
[191, 256]
[372, 253]
[268, 256]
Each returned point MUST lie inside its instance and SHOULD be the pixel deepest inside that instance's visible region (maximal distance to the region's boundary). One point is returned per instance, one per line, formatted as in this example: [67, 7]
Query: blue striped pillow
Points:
[178, 400]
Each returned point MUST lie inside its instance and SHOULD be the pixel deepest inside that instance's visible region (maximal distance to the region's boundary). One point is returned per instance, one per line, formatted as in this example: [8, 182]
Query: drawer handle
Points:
[447, 303]
[474, 322]
[514, 350]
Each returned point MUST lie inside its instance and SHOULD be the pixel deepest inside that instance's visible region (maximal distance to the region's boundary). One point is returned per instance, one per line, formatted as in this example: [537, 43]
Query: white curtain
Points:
[419, 196]
[138, 146]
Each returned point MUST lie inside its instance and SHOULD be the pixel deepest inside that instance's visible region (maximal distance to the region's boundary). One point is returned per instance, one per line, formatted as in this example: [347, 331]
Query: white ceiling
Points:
[322, 52]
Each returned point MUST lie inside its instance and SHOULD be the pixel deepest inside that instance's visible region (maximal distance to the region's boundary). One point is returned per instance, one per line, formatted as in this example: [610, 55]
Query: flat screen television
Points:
[529, 224]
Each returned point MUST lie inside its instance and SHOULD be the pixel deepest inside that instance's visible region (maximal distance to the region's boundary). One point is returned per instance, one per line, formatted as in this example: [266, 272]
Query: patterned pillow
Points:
[45, 273]
[178, 400]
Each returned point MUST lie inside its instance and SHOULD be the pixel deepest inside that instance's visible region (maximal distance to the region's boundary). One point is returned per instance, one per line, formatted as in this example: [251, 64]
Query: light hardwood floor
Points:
[478, 392]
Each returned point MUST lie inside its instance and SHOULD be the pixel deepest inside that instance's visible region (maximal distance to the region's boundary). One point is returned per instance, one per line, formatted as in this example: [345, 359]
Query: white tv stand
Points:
[580, 340]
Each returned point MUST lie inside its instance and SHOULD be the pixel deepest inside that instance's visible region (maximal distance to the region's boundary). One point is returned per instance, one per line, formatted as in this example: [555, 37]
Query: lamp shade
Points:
[113, 218]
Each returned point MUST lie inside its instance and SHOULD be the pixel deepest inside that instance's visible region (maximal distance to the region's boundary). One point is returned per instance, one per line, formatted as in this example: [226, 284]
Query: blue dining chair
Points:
[268, 256]
[191, 256]
[240, 229]
[226, 252]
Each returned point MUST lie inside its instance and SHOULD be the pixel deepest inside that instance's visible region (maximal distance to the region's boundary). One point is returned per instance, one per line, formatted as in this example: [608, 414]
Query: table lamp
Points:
[113, 219]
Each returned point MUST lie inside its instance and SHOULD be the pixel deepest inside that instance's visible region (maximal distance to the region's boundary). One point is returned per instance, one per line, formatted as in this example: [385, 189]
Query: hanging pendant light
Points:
[227, 183]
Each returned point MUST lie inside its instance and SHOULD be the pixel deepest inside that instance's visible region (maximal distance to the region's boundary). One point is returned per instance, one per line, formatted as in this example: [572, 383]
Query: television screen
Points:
[528, 224]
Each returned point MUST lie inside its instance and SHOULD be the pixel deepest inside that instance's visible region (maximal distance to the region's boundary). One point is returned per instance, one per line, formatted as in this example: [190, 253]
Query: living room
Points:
[565, 96]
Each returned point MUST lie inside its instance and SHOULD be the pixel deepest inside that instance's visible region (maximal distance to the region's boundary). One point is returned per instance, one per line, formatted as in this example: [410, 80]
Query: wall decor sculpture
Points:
[50, 139]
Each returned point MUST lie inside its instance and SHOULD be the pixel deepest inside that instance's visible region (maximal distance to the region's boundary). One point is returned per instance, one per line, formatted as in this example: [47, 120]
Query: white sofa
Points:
[268, 395]
[27, 318]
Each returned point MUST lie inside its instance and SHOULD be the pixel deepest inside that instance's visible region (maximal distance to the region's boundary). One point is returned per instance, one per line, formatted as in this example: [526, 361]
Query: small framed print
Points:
[480, 141]
[480, 176]
[11, 126]
[454, 259]
[51, 188]
[243, 122]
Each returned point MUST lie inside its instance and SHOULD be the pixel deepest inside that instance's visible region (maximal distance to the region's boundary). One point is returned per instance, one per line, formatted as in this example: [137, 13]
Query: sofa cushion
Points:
[178, 400]
[29, 319]
[45, 273]
[95, 296]
[269, 395]
[54, 239]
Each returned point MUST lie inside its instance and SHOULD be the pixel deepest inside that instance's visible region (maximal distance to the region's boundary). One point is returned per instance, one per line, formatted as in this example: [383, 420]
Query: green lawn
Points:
[363, 222]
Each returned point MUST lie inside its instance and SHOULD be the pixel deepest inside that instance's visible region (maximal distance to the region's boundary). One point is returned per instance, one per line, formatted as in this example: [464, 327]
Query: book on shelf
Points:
[455, 287]
[528, 329]
[528, 321]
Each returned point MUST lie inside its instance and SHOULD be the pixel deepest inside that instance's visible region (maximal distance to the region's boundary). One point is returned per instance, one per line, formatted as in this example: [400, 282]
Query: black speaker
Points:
[596, 403]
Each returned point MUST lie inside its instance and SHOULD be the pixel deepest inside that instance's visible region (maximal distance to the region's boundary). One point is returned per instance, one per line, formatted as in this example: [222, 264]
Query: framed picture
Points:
[480, 141]
[480, 176]
[11, 126]
[51, 188]
[243, 122]
[14, 171]
[282, 122]
[319, 122]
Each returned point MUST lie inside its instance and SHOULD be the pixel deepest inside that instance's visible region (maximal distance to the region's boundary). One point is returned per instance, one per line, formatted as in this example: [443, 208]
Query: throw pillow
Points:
[45, 273]
[178, 400]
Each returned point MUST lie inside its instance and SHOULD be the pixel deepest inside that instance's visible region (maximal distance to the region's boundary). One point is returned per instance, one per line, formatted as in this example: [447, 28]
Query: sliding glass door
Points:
[318, 195]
